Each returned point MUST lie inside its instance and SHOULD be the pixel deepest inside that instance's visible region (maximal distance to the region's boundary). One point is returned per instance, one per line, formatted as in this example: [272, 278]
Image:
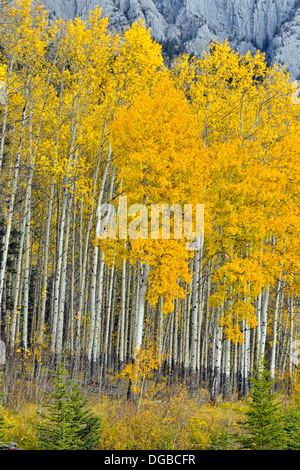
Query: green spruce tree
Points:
[292, 427]
[66, 423]
[292, 416]
[264, 425]
[221, 440]
[85, 425]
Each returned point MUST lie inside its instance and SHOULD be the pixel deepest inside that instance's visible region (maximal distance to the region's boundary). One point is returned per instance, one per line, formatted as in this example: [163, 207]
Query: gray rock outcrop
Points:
[269, 25]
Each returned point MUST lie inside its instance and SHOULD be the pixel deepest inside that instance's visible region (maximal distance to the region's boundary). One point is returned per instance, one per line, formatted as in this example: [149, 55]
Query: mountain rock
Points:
[122, 13]
[272, 26]
[285, 46]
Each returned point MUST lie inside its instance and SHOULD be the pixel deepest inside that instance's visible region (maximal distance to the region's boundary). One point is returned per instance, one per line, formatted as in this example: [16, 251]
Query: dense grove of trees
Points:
[88, 115]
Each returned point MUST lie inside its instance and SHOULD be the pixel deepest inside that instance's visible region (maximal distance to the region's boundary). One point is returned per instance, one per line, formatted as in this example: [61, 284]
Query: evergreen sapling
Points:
[66, 422]
[264, 425]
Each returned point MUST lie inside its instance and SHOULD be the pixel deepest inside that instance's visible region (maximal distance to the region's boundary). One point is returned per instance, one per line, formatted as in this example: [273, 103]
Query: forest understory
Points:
[160, 415]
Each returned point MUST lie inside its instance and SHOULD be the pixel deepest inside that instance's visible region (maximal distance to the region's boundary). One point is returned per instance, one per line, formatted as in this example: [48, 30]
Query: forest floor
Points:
[164, 417]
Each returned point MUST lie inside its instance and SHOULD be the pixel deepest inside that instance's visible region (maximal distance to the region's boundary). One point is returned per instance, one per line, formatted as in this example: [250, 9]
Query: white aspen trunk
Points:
[181, 336]
[194, 319]
[46, 265]
[291, 340]
[249, 354]
[11, 209]
[83, 259]
[186, 338]
[242, 368]
[128, 307]
[264, 320]
[133, 318]
[63, 280]
[27, 264]
[98, 309]
[94, 271]
[235, 368]
[58, 270]
[204, 359]
[226, 385]
[17, 287]
[122, 314]
[274, 335]
[27, 227]
[217, 345]
[160, 326]
[258, 326]
[215, 389]
[85, 318]
[142, 281]
[170, 343]
[252, 354]
[70, 331]
[200, 312]
[108, 318]
[175, 336]
[111, 329]
[246, 358]
[36, 297]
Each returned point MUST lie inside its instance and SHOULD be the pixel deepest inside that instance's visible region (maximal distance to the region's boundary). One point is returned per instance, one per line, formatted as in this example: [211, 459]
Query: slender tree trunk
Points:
[26, 267]
[97, 336]
[18, 289]
[194, 322]
[142, 276]
[226, 378]
[11, 207]
[122, 317]
[264, 319]
[58, 273]
[274, 336]
[63, 280]
[109, 318]
[41, 321]
[215, 385]
[142, 280]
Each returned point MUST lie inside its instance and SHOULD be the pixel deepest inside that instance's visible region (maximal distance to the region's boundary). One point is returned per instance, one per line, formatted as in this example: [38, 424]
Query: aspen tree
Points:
[138, 162]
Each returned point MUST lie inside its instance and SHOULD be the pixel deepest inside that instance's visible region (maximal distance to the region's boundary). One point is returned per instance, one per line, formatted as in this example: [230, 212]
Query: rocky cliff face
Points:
[285, 46]
[269, 25]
